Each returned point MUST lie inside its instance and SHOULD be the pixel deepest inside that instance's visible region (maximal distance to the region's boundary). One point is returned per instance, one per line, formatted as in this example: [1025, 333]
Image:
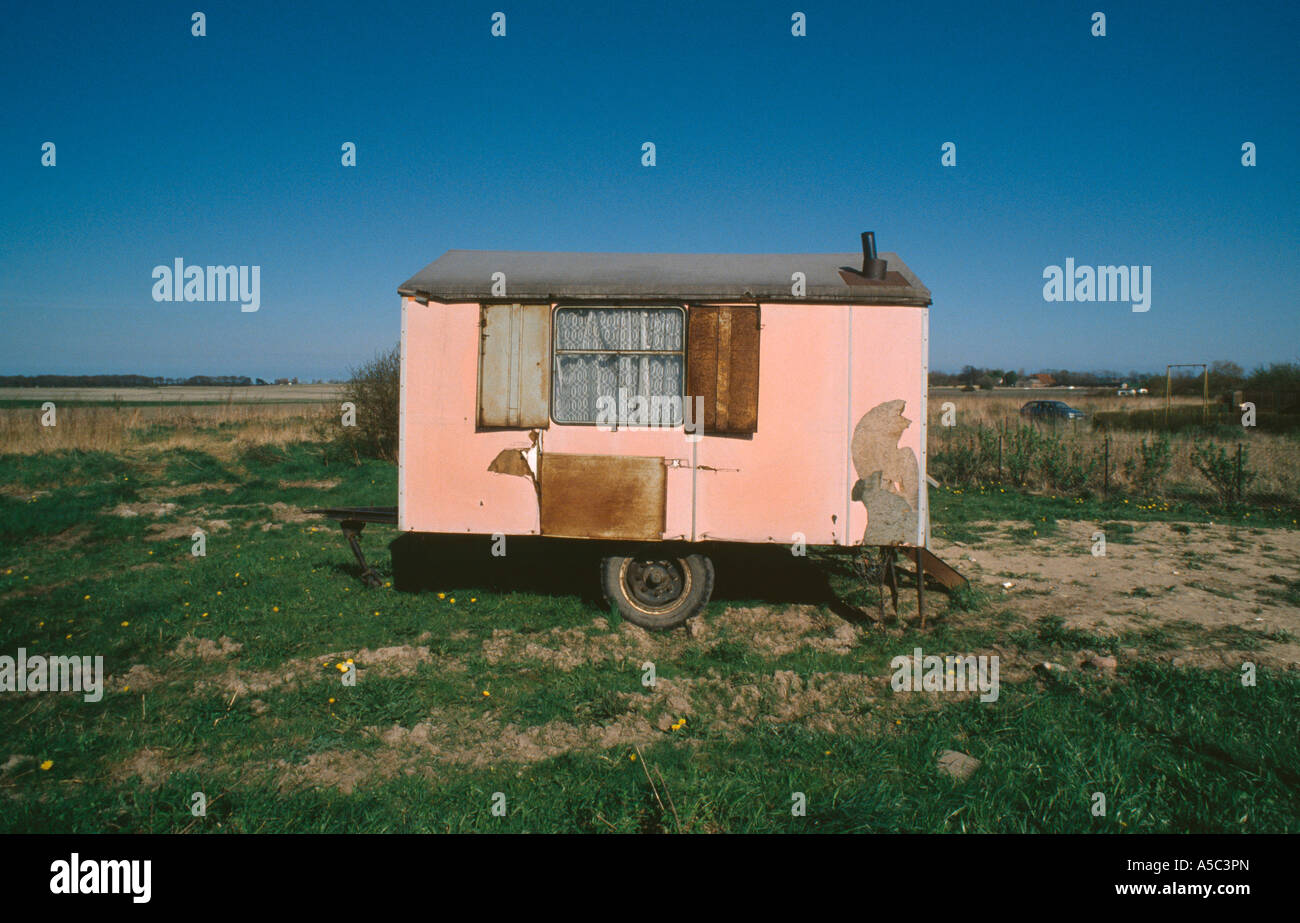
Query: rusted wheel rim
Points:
[655, 584]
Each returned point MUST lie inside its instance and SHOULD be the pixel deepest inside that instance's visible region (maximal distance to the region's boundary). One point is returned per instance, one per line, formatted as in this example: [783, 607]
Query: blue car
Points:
[1051, 410]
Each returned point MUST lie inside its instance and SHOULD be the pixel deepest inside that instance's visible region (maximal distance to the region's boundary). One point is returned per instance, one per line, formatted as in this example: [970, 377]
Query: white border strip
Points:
[403, 434]
[923, 497]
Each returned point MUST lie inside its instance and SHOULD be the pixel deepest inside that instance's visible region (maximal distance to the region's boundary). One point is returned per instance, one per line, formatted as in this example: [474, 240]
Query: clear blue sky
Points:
[226, 149]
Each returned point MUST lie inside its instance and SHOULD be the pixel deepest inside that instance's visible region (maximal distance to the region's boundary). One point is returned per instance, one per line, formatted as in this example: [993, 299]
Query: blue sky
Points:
[225, 149]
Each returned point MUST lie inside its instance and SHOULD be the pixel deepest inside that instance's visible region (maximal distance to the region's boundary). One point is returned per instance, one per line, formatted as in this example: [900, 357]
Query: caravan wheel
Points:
[655, 590]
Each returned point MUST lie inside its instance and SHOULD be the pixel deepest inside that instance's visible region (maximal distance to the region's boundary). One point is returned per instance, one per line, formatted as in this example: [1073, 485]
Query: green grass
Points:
[956, 509]
[1172, 749]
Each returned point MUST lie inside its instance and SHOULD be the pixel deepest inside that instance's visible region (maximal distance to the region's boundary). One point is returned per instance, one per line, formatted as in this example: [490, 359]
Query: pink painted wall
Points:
[443, 481]
[793, 476]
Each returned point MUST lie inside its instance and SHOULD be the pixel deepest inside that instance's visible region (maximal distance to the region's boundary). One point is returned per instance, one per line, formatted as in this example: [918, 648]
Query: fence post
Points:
[1105, 477]
[1239, 496]
[1000, 438]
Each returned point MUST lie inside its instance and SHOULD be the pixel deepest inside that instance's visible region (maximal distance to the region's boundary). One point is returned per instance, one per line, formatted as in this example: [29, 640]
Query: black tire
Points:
[657, 588]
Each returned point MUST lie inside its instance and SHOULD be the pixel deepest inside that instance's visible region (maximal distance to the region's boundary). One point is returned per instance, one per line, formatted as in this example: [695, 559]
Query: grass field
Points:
[511, 677]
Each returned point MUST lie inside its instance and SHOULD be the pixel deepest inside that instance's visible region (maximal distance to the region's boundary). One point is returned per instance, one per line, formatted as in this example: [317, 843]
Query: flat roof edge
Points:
[907, 298]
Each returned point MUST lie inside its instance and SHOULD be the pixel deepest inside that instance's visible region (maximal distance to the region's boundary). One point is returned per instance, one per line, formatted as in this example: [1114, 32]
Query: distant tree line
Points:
[1224, 377]
[126, 381]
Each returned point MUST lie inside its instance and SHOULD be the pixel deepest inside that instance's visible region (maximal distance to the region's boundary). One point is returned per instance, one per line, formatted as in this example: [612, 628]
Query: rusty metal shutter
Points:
[514, 368]
[722, 366]
[603, 496]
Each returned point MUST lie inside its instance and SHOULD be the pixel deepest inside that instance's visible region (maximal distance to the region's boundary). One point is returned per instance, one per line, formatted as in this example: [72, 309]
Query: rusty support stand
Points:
[880, 582]
[888, 577]
[920, 586]
[893, 580]
[885, 574]
[352, 531]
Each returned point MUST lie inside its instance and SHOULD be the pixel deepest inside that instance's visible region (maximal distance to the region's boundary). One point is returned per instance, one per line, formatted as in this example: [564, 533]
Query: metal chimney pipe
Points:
[872, 267]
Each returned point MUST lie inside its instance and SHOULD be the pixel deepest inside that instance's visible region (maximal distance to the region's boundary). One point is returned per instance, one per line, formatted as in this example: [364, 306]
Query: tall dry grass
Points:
[221, 430]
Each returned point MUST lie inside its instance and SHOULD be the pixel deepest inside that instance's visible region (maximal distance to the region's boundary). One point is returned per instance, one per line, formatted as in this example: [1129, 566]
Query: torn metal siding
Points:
[888, 475]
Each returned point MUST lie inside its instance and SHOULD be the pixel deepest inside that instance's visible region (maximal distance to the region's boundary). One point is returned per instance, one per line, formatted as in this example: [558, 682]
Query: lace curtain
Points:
[600, 350]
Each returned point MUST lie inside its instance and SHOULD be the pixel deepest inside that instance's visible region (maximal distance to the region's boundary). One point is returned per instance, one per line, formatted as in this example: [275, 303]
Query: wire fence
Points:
[1071, 458]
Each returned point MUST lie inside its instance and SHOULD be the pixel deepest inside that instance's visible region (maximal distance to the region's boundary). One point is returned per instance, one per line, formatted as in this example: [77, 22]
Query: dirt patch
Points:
[74, 535]
[152, 766]
[139, 678]
[206, 649]
[21, 492]
[777, 631]
[186, 530]
[770, 630]
[569, 648]
[16, 762]
[451, 737]
[152, 508]
[170, 492]
[1207, 586]
[324, 484]
[283, 512]
[399, 660]
[459, 736]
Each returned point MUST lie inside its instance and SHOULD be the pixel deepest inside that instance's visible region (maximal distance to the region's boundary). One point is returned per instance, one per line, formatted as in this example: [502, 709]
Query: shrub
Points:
[957, 465]
[1220, 469]
[1151, 465]
[375, 389]
[1066, 468]
[1022, 449]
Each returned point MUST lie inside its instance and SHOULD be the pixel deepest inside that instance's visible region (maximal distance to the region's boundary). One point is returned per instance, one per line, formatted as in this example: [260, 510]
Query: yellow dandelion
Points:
[46, 765]
[124, 624]
[486, 693]
[87, 596]
[331, 700]
[273, 608]
[632, 757]
[442, 595]
[452, 600]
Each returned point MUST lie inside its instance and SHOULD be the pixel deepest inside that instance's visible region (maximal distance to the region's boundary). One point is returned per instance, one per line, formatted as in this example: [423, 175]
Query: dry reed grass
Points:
[221, 430]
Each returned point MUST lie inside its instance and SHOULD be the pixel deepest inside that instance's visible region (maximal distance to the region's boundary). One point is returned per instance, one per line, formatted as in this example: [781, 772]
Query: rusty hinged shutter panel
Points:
[722, 366]
[514, 368]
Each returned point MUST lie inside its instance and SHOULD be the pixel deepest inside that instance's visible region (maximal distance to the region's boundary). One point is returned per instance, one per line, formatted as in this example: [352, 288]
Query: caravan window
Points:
[606, 358]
